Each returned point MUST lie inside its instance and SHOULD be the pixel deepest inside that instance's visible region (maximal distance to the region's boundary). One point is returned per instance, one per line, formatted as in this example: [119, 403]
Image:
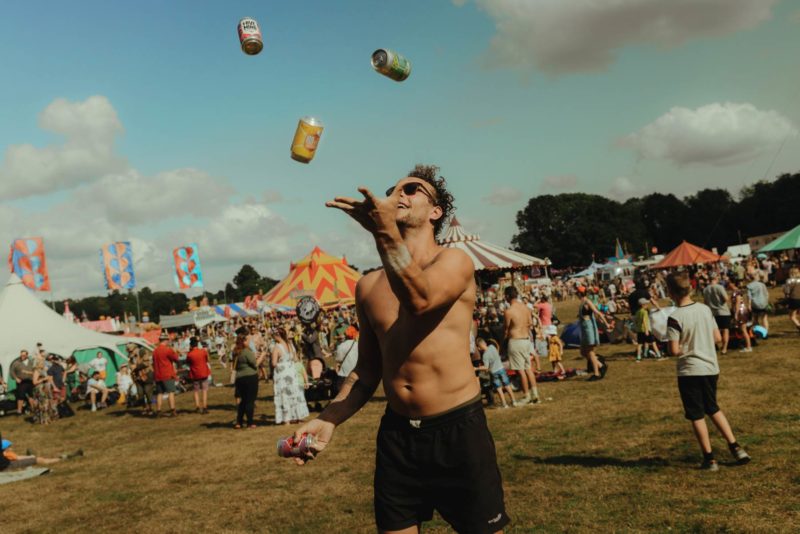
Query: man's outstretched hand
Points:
[321, 430]
[373, 214]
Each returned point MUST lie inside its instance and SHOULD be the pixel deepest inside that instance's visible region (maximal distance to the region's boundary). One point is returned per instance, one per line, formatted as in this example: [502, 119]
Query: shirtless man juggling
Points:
[434, 449]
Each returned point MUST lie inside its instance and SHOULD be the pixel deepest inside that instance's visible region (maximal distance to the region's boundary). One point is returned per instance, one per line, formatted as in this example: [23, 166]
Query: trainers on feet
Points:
[741, 455]
[593, 378]
[94, 408]
[709, 465]
[746, 349]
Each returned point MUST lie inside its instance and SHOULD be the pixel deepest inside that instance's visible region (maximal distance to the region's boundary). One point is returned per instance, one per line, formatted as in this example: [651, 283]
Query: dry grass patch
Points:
[615, 455]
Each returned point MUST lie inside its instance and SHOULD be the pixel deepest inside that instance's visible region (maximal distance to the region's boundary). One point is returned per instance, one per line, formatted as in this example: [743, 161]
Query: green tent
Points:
[114, 361]
[787, 241]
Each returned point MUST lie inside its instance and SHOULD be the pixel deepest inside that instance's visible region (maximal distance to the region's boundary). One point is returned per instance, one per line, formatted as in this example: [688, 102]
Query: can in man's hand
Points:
[391, 64]
[288, 448]
[306, 138]
[250, 36]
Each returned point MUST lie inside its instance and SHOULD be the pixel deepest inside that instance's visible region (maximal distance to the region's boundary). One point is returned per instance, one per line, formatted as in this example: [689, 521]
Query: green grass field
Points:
[611, 456]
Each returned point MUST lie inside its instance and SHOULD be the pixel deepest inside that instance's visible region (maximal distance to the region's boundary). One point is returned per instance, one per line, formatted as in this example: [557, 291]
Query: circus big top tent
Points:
[485, 255]
[25, 320]
[327, 278]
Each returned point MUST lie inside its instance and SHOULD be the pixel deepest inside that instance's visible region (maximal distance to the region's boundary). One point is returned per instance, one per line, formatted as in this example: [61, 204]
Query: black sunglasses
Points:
[410, 189]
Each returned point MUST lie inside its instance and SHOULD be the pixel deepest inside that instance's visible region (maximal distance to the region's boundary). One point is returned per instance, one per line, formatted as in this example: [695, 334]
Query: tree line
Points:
[573, 228]
[155, 303]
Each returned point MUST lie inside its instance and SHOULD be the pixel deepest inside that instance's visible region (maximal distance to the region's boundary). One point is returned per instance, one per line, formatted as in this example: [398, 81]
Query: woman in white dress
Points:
[290, 402]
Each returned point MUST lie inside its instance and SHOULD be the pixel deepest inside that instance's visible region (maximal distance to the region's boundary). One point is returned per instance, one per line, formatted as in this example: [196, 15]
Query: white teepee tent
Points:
[25, 320]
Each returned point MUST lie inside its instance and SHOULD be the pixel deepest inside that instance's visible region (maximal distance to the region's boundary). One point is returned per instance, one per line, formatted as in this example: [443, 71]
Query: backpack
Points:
[65, 410]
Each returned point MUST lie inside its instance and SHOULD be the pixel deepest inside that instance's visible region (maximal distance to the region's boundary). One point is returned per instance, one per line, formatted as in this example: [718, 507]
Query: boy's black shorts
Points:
[642, 338]
[445, 462]
[699, 396]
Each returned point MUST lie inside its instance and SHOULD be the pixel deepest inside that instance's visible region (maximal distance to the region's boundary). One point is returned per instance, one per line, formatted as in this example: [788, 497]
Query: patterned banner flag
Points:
[117, 262]
[187, 267]
[27, 260]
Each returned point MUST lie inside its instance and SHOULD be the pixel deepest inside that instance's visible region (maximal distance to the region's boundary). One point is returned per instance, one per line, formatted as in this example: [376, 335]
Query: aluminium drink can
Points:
[306, 139]
[250, 36]
[391, 64]
[288, 448]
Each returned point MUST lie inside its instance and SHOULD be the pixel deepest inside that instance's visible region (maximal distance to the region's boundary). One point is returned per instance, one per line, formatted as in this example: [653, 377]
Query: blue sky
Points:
[145, 121]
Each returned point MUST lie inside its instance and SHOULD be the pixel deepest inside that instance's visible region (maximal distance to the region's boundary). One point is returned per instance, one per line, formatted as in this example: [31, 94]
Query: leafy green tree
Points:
[573, 228]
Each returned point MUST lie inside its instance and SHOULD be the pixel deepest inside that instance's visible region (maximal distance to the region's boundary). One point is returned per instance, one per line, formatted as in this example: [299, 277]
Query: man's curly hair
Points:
[444, 199]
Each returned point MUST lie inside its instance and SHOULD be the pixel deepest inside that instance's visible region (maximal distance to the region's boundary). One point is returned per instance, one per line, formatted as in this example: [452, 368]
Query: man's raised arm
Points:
[418, 289]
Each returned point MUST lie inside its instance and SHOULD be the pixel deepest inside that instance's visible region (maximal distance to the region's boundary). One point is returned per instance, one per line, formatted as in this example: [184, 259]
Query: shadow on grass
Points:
[594, 461]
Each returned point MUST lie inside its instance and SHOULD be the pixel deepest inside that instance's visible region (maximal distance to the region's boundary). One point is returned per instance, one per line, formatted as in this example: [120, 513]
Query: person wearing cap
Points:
[9, 460]
[164, 359]
[94, 386]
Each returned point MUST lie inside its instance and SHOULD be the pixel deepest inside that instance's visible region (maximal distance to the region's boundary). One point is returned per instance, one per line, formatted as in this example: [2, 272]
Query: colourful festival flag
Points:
[27, 260]
[187, 267]
[117, 261]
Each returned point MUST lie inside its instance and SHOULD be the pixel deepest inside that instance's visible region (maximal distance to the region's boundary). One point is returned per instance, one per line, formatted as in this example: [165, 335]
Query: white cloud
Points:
[502, 195]
[560, 36]
[559, 183]
[136, 199]
[89, 129]
[716, 134]
[623, 188]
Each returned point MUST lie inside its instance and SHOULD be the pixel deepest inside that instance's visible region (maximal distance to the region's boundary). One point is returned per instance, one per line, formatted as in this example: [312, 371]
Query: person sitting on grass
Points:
[493, 364]
[94, 386]
[692, 334]
[12, 461]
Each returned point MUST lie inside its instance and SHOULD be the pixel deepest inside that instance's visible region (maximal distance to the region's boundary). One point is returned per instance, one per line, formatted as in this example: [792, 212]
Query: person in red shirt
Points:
[198, 373]
[164, 359]
[545, 311]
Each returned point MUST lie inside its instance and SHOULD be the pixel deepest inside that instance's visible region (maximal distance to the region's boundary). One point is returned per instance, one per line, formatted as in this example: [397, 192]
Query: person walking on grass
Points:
[245, 363]
[199, 371]
[741, 315]
[692, 335]
[164, 359]
[645, 341]
[719, 301]
[590, 335]
[494, 366]
[792, 291]
[758, 299]
[517, 320]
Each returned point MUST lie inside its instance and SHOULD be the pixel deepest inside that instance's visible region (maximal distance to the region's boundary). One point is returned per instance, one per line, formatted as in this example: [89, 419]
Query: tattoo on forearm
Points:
[398, 258]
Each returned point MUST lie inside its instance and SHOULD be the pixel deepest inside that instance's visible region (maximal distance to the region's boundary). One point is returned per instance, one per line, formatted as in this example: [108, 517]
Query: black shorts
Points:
[794, 304]
[24, 390]
[699, 396]
[445, 462]
[723, 322]
[642, 338]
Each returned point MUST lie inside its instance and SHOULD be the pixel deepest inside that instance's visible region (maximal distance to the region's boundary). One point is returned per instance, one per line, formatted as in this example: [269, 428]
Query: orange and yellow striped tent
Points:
[327, 278]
